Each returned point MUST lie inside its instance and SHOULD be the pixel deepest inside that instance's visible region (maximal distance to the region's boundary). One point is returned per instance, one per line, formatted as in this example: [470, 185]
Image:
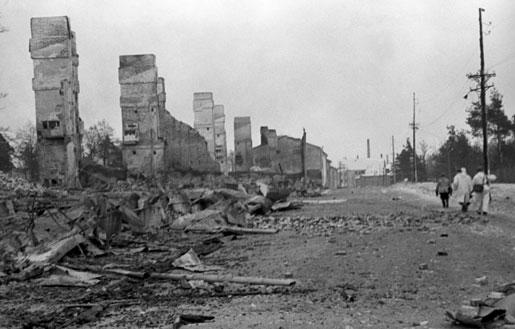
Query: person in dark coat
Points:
[444, 189]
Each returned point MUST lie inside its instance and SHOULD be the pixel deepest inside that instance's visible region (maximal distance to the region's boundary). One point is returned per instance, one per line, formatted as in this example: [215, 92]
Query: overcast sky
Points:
[344, 70]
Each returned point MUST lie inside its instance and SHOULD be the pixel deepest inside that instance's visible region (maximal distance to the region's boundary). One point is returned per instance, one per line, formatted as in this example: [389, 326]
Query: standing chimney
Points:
[368, 148]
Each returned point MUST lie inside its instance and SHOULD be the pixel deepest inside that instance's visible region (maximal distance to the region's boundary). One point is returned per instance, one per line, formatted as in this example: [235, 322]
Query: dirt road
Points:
[365, 258]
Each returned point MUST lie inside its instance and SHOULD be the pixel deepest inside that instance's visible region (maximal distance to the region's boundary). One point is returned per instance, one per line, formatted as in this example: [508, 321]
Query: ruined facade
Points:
[209, 121]
[265, 155]
[56, 87]
[284, 155]
[220, 138]
[142, 145]
[289, 156]
[203, 106]
[243, 159]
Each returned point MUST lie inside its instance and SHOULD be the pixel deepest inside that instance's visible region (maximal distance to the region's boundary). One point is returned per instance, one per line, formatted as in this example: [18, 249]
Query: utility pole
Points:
[481, 79]
[303, 155]
[414, 125]
[483, 96]
[393, 159]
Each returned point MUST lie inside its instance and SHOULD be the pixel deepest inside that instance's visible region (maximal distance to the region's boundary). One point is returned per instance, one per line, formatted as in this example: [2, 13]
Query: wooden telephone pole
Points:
[481, 79]
[483, 96]
[415, 127]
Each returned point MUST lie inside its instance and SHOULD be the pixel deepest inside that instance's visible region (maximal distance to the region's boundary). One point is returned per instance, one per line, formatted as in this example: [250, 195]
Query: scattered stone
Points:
[423, 266]
[483, 281]
[442, 253]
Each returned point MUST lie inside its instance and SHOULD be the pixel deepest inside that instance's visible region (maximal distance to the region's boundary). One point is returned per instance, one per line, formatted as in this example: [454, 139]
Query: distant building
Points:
[243, 158]
[265, 154]
[283, 155]
[209, 121]
[365, 172]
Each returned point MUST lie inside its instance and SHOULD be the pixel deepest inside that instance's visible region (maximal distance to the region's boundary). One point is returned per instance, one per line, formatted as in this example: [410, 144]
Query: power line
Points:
[506, 59]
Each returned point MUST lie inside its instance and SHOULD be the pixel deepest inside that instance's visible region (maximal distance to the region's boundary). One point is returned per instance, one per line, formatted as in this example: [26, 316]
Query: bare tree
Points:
[98, 141]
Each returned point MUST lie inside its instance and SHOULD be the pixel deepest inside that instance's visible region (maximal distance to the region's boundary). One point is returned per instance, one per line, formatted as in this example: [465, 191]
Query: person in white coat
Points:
[481, 188]
[462, 187]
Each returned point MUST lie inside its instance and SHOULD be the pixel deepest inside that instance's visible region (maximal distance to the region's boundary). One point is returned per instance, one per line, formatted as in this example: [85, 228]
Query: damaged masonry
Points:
[181, 232]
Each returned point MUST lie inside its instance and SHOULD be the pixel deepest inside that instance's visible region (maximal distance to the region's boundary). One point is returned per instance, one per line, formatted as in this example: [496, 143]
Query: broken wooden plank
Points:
[244, 230]
[56, 250]
[206, 277]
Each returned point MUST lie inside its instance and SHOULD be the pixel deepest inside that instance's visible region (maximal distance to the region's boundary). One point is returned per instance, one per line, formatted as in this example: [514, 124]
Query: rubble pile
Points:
[43, 226]
[494, 310]
[359, 223]
[10, 183]
[52, 237]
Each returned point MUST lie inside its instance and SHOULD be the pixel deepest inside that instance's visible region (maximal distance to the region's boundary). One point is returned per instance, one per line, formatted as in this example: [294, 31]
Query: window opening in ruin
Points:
[207, 129]
[155, 152]
[51, 124]
[134, 152]
[131, 133]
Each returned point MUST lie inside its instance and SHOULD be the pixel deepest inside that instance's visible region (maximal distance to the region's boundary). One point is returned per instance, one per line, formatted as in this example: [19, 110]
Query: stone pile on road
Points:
[361, 223]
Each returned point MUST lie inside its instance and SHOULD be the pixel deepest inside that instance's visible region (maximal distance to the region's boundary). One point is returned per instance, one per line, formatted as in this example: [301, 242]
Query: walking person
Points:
[462, 187]
[481, 188]
[444, 189]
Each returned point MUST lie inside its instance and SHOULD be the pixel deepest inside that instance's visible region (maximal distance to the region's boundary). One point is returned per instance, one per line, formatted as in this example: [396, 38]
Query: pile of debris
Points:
[17, 184]
[497, 309]
[88, 238]
[40, 228]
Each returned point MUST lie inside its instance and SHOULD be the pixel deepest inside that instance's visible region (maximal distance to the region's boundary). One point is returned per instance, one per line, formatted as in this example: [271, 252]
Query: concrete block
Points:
[55, 47]
[42, 27]
[202, 96]
[135, 74]
[146, 60]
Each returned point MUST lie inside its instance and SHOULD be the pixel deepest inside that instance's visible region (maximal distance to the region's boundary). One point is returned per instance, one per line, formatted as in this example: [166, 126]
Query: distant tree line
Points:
[463, 148]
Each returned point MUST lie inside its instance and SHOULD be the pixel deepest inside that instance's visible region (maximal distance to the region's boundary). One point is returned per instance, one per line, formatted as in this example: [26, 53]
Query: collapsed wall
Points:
[186, 149]
[56, 88]
[142, 146]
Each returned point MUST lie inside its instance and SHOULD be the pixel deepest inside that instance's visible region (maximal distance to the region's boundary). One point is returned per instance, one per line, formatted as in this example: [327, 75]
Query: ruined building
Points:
[209, 121]
[293, 157]
[154, 141]
[56, 87]
[142, 146]
[265, 154]
[220, 138]
[242, 144]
